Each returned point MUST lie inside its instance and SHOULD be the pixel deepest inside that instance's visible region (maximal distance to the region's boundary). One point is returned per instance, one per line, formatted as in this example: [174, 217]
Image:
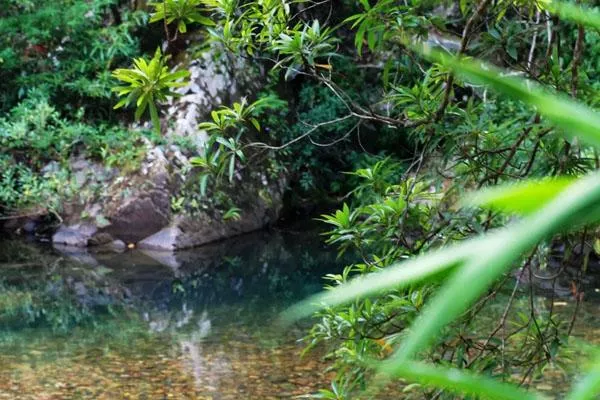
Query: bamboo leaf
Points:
[575, 118]
[574, 13]
[398, 275]
[462, 382]
[589, 387]
[522, 198]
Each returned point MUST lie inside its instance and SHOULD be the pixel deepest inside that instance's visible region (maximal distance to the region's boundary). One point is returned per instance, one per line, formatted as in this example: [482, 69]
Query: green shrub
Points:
[67, 49]
[38, 145]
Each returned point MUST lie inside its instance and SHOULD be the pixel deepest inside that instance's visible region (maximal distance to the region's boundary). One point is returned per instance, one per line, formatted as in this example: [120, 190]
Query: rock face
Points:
[136, 207]
[165, 239]
[259, 209]
[216, 79]
[140, 205]
[75, 236]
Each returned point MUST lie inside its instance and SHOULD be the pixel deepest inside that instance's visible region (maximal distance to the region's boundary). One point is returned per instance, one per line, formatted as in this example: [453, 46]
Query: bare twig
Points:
[577, 54]
[533, 43]
[466, 36]
[297, 139]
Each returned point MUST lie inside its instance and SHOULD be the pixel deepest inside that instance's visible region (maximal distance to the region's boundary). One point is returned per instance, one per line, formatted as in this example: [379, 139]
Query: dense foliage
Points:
[395, 110]
[66, 49]
[466, 135]
[56, 60]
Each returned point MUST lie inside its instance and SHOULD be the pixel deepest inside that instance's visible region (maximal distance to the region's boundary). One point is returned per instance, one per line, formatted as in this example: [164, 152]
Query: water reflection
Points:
[145, 324]
[194, 324]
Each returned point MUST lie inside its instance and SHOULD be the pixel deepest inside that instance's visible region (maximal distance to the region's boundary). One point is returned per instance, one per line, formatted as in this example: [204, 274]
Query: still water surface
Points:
[197, 324]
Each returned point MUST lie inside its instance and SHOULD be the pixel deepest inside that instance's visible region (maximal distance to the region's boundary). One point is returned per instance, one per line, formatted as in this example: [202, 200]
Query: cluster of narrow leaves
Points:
[547, 206]
[146, 84]
[224, 146]
[263, 28]
[303, 46]
[182, 12]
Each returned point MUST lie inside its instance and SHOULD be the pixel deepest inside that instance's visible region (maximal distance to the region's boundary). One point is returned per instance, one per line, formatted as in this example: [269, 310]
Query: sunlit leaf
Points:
[454, 380]
[522, 197]
[493, 256]
[587, 388]
[573, 12]
[575, 118]
[401, 274]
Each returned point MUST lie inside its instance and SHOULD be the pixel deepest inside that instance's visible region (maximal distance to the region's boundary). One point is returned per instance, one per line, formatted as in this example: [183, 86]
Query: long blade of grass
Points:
[575, 118]
[401, 274]
[574, 13]
[522, 197]
[451, 379]
[589, 386]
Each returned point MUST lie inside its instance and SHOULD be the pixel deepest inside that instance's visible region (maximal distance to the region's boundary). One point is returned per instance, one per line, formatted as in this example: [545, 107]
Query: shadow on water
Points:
[143, 324]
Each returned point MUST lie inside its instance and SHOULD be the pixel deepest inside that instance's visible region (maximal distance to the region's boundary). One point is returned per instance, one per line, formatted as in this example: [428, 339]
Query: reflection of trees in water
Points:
[41, 288]
[208, 361]
[249, 274]
[205, 313]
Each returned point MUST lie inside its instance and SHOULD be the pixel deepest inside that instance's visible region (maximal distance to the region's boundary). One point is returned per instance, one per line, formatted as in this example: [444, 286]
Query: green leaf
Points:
[398, 275]
[589, 387]
[140, 110]
[371, 39]
[209, 126]
[522, 198]
[386, 72]
[120, 104]
[203, 184]
[233, 213]
[479, 262]
[360, 37]
[227, 143]
[231, 167]
[574, 13]
[154, 116]
[457, 381]
[204, 20]
[181, 26]
[198, 162]
[179, 74]
[493, 255]
[575, 118]
[356, 17]
[255, 123]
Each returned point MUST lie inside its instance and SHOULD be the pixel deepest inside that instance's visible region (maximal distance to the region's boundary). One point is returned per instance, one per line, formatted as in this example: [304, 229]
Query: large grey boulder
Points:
[136, 208]
[74, 236]
[140, 205]
[260, 203]
[165, 239]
